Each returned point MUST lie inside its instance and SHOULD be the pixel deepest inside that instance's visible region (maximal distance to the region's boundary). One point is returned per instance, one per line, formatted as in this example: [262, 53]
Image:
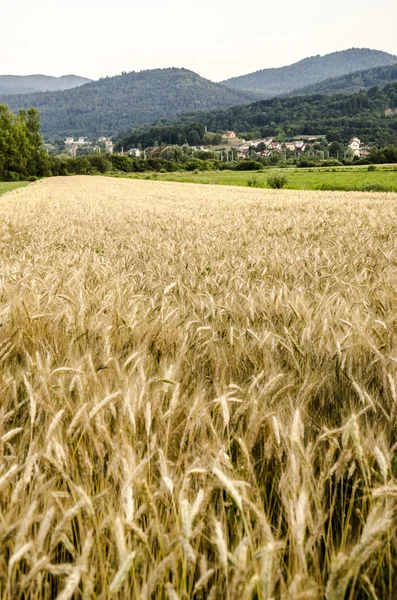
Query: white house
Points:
[354, 146]
[109, 146]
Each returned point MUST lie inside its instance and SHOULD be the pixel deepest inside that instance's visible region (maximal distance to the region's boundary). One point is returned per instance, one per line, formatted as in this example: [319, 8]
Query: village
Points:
[231, 148]
[72, 146]
[234, 148]
[267, 146]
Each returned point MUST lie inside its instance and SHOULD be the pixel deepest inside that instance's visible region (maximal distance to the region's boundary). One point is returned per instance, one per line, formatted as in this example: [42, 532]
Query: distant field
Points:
[300, 179]
[9, 186]
[198, 392]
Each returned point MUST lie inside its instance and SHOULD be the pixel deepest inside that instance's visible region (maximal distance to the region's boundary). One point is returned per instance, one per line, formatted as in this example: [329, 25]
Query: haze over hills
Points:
[353, 82]
[275, 82]
[113, 104]
[28, 84]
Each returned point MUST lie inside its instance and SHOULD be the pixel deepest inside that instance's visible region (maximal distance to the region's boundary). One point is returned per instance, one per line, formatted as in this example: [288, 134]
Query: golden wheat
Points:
[197, 392]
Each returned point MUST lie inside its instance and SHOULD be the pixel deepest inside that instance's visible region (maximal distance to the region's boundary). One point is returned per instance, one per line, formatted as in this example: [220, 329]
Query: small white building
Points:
[354, 145]
[109, 146]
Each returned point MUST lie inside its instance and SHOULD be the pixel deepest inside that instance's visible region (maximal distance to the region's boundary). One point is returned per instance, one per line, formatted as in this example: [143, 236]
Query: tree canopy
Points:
[21, 153]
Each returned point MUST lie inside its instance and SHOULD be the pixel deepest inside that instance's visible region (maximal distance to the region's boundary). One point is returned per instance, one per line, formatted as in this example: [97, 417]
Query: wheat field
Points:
[197, 392]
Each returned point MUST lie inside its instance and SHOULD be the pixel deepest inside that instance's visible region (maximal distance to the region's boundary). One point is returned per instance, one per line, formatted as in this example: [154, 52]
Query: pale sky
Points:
[216, 39]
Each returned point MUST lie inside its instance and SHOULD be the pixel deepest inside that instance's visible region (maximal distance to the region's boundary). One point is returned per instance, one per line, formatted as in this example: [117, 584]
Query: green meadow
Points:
[8, 186]
[353, 178]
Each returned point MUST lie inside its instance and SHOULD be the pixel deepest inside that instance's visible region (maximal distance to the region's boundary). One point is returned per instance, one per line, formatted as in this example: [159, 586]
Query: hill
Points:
[353, 82]
[28, 84]
[370, 114]
[113, 104]
[273, 82]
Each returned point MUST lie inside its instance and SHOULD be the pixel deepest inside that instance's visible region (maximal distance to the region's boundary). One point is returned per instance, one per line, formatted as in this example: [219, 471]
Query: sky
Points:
[214, 38]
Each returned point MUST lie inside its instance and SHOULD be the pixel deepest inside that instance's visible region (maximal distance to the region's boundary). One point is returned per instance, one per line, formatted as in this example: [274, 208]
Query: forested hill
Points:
[370, 114]
[275, 82]
[28, 84]
[113, 104]
[354, 82]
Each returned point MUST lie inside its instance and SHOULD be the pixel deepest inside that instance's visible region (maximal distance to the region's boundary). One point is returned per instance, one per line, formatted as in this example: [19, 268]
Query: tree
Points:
[21, 152]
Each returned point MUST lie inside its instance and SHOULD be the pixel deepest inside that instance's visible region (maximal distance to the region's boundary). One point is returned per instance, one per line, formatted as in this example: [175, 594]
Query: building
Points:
[109, 146]
[230, 135]
[275, 146]
[354, 146]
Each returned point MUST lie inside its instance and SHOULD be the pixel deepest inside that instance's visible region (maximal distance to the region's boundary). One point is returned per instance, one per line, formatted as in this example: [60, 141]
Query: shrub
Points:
[99, 163]
[122, 163]
[195, 165]
[248, 165]
[277, 180]
[372, 168]
[331, 162]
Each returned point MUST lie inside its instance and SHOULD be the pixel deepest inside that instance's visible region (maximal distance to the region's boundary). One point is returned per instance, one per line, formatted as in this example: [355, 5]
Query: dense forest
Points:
[30, 84]
[274, 82]
[113, 104]
[338, 117]
[353, 82]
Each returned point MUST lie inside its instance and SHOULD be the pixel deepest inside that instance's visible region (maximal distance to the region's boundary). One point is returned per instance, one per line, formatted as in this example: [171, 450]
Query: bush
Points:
[372, 168]
[122, 163]
[99, 163]
[277, 180]
[304, 163]
[331, 162]
[195, 164]
[248, 165]
[13, 176]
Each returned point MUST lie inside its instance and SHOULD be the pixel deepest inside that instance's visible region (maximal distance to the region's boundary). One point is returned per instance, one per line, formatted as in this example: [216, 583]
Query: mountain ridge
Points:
[112, 104]
[352, 82]
[267, 83]
[34, 83]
